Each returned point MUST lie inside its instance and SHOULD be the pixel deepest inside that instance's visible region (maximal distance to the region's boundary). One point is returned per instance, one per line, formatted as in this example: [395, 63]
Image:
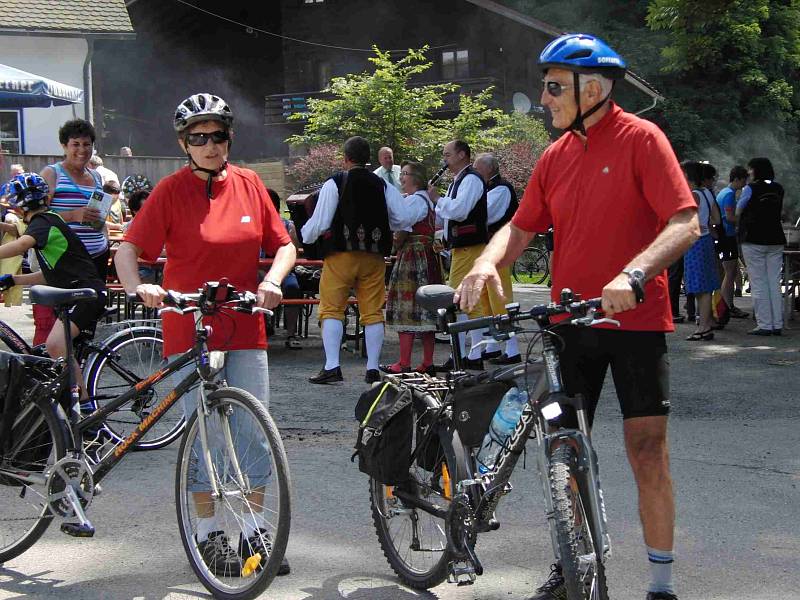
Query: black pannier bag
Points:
[385, 433]
[474, 405]
[16, 388]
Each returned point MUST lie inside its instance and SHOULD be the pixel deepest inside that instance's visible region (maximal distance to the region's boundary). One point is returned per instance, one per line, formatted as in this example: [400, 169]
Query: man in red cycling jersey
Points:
[612, 188]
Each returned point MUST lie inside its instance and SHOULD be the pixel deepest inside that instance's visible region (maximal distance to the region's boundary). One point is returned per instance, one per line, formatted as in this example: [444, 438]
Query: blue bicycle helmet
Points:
[27, 191]
[134, 183]
[582, 53]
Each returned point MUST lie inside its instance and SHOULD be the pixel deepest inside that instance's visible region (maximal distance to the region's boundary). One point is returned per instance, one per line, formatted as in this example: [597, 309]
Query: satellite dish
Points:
[522, 104]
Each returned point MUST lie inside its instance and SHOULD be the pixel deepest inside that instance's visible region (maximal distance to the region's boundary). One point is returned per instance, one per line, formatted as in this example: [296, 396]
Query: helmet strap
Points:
[577, 124]
[211, 173]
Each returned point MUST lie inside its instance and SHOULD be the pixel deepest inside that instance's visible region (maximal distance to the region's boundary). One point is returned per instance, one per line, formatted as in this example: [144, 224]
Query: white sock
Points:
[253, 521]
[373, 338]
[204, 527]
[476, 336]
[492, 346]
[462, 337]
[332, 331]
[512, 349]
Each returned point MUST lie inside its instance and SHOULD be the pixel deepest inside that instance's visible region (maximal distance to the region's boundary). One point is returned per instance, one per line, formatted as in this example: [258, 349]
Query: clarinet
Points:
[438, 174]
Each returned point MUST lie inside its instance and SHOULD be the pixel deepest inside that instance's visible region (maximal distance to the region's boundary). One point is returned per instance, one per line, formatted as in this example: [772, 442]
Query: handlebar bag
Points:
[474, 405]
[385, 432]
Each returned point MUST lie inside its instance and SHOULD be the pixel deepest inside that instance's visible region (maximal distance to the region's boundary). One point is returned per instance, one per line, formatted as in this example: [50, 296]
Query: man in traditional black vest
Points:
[502, 203]
[466, 229]
[354, 216]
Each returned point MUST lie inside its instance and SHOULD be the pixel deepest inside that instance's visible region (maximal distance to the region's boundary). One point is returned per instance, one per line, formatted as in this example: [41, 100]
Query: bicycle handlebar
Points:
[205, 302]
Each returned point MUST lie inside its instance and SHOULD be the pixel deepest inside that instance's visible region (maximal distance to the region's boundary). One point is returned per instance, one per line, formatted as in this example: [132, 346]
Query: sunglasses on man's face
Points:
[201, 139]
[554, 88]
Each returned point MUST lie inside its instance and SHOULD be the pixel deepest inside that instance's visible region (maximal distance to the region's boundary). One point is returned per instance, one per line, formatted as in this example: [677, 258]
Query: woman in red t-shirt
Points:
[213, 219]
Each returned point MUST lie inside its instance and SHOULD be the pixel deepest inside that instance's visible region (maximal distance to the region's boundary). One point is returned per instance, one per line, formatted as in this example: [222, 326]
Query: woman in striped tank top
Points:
[71, 185]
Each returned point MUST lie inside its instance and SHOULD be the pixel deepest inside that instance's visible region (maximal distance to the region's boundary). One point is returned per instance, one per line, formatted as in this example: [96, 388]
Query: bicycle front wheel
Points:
[37, 442]
[241, 491]
[581, 555]
[129, 357]
[414, 541]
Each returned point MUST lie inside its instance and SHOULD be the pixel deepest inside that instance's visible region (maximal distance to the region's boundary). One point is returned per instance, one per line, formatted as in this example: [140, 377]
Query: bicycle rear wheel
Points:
[37, 442]
[252, 511]
[532, 266]
[130, 356]
[581, 555]
[414, 541]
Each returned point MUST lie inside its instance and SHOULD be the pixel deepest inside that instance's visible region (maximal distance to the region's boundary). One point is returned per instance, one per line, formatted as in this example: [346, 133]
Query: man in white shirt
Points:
[355, 215]
[388, 171]
[106, 174]
[502, 204]
[464, 212]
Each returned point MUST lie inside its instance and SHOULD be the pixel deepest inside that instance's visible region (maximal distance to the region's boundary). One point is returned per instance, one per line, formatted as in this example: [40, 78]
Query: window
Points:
[455, 64]
[9, 131]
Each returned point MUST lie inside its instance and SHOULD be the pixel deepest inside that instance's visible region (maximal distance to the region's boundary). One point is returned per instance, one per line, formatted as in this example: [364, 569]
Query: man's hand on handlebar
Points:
[468, 293]
[150, 294]
[269, 294]
[618, 295]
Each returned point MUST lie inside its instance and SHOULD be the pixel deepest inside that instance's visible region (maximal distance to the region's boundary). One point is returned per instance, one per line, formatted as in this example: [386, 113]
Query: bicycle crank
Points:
[70, 489]
[461, 538]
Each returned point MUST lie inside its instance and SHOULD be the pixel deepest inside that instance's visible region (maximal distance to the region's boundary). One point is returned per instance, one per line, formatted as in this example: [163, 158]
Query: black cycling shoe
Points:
[261, 543]
[219, 555]
[661, 596]
[553, 588]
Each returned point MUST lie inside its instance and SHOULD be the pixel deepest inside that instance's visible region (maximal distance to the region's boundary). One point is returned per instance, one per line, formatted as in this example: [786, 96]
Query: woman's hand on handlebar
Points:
[618, 295]
[468, 293]
[150, 294]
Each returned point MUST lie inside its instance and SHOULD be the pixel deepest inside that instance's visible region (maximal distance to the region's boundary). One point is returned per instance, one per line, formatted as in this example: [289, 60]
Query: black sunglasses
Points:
[201, 139]
[554, 88]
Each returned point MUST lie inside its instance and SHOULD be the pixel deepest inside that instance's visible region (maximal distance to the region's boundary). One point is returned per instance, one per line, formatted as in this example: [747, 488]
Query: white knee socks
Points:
[332, 331]
[373, 338]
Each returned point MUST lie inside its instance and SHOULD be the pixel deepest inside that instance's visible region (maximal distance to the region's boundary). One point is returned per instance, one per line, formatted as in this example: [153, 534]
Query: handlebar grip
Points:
[469, 325]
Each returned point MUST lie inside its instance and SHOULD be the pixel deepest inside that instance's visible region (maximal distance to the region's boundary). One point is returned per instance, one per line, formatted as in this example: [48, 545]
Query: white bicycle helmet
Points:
[202, 107]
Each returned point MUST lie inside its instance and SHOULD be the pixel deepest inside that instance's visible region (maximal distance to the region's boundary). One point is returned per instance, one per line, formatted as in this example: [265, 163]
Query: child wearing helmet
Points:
[63, 258]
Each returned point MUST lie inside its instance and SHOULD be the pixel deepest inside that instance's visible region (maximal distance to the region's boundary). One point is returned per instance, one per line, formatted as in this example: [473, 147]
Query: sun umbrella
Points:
[20, 89]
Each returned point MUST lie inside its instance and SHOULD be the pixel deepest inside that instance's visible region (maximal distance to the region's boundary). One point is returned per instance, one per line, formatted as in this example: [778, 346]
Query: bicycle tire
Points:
[581, 564]
[532, 266]
[233, 406]
[45, 429]
[133, 354]
[428, 474]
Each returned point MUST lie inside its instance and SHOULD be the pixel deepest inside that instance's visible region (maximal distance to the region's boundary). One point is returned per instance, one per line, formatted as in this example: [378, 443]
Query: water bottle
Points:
[503, 423]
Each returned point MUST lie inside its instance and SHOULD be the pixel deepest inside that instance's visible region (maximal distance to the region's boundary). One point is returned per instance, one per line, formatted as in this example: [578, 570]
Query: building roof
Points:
[78, 17]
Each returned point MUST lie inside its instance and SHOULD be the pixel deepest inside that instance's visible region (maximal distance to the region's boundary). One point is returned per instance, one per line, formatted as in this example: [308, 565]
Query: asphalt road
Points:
[734, 441]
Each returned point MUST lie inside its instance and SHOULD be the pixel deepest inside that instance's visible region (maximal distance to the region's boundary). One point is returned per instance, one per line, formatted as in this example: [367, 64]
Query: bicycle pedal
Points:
[85, 530]
[99, 490]
[461, 573]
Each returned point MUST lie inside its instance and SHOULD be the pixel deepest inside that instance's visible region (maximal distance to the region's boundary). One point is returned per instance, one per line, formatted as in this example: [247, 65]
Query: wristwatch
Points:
[269, 281]
[636, 279]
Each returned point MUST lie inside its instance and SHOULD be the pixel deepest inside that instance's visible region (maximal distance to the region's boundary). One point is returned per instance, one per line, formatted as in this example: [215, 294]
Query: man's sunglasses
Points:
[554, 88]
[201, 139]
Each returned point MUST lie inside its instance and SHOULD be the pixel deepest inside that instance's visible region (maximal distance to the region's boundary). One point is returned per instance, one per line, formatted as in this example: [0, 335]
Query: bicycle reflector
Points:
[551, 411]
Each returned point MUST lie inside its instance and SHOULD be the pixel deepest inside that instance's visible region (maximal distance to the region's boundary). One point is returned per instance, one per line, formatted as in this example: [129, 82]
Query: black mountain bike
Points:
[110, 367]
[428, 526]
[231, 462]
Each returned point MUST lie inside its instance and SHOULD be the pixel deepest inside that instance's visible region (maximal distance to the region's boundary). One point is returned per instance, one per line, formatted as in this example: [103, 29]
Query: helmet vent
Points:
[585, 53]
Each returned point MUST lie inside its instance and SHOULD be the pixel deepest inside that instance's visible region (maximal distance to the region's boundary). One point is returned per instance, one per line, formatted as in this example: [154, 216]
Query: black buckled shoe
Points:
[474, 365]
[328, 376]
[553, 588]
[491, 355]
[661, 596]
[261, 543]
[506, 360]
[372, 376]
[219, 555]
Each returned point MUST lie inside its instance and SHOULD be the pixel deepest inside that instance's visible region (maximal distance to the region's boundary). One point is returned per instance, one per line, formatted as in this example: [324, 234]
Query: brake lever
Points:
[605, 320]
[168, 309]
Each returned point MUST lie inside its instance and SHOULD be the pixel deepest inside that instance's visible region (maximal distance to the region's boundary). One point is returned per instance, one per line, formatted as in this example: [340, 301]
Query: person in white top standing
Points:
[466, 229]
[388, 171]
[502, 203]
[105, 173]
[355, 215]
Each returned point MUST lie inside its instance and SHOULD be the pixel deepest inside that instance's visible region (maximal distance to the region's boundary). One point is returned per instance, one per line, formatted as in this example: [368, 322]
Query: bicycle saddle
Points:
[52, 296]
[434, 297]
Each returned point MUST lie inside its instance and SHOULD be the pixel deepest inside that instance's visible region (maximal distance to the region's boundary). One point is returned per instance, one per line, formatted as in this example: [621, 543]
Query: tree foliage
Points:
[385, 107]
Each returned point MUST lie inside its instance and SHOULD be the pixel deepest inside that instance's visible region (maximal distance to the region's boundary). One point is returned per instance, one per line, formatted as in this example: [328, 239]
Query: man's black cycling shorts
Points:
[639, 366]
